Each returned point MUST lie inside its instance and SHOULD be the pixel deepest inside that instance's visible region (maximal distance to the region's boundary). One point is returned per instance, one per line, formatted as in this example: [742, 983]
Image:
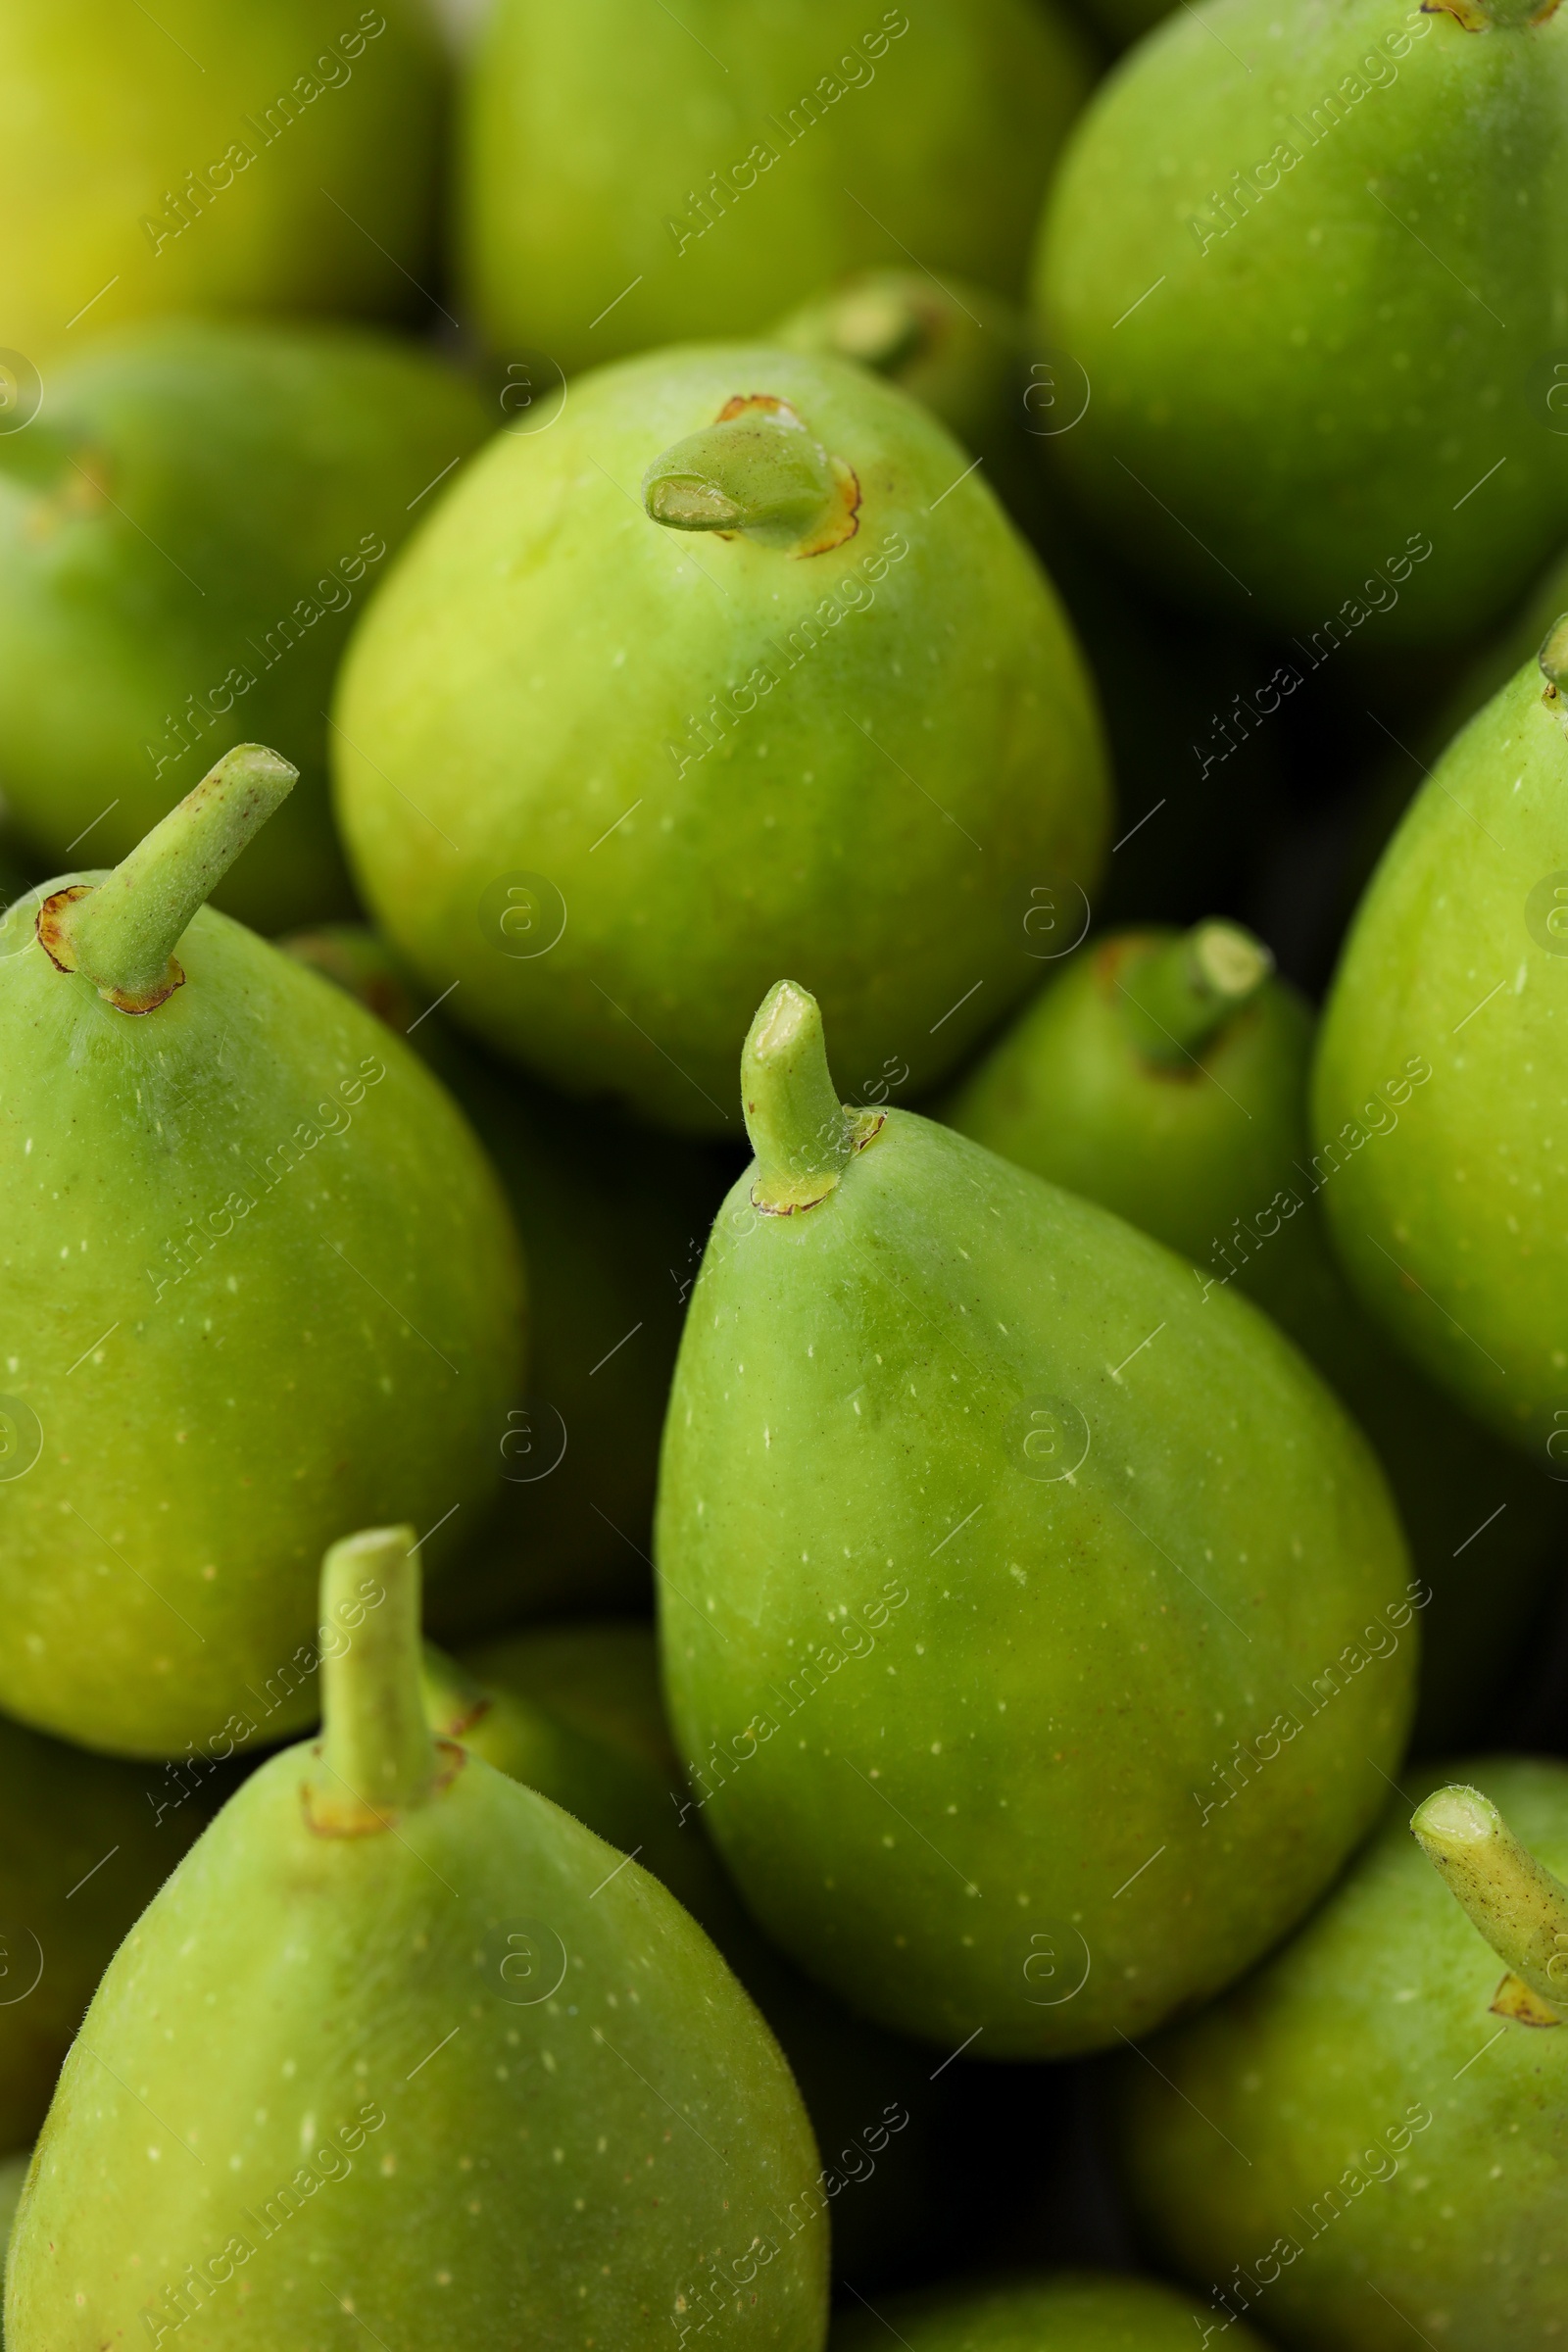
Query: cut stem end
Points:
[1513, 1899]
[1184, 995]
[799, 1131]
[758, 472]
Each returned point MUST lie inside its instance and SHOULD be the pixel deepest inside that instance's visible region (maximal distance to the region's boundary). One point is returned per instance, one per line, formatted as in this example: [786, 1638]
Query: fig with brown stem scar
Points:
[738, 668]
[402, 2037]
[1124, 1524]
[257, 1273]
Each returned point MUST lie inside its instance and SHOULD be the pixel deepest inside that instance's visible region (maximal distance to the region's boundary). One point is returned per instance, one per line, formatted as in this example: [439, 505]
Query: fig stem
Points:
[1514, 1900]
[1184, 994]
[760, 473]
[122, 934]
[377, 1756]
[799, 1131]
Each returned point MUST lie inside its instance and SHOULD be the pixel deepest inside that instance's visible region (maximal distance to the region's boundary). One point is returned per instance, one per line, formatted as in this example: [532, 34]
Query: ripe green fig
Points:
[1370, 2135]
[1306, 408]
[612, 1242]
[630, 179]
[184, 534]
[210, 158]
[480, 2073]
[84, 1846]
[1451, 1215]
[258, 1276]
[1166, 1075]
[1099, 1528]
[574, 1711]
[1075, 2311]
[853, 732]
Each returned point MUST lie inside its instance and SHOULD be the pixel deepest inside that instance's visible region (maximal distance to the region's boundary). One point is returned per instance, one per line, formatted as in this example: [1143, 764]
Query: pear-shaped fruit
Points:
[1377, 2133]
[84, 1846]
[613, 1237]
[1450, 1212]
[630, 178]
[574, 1711]
[1308, 407]
[184, 533]
[258, 1276]
[997, 1537]
[853, 732]
[210, 157]
[1075, 2311]
[1166, 1076]
[482, 2076]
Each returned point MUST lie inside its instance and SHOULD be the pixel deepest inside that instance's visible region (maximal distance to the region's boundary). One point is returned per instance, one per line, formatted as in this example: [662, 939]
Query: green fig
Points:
[1072, 2312]
[1307, 406]
[630, 178]
[481, 2074]
[258, 1276]
[574, 1711]
[853, 730]
[210, 157]
[611, 1241]
[84, 1846]
[183, 535]
[1101, 1529]
[1449, 1207]
[1370, 2136]
[1166, 1075]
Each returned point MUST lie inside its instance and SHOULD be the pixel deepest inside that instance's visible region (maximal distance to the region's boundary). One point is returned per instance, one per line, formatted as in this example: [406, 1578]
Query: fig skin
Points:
[1313, 2078]
[613, 1237]
[1293, 416]
[337, 2016]
[904, 741]
[1211, 1151]
[85, 1844]
[1449, 1209]
[258, 1274]
[598, 148]
[575, 1712]
[998, 1537]
[1071, 2310]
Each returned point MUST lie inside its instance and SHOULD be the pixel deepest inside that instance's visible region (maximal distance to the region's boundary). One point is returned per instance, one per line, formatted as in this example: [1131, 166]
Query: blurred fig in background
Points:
[957, 347]
[632, 176]
[209, 156]
[86, 1842]
[613, 1227]
[574, 1711]
[729, 671]
[1072, 2312]
[1307, 410]
[1167, 1076]
[185, 534]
